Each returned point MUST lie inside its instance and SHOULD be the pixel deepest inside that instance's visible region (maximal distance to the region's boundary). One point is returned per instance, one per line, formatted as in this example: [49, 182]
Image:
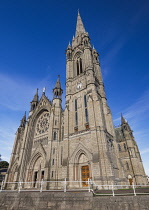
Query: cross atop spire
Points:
[79, 27]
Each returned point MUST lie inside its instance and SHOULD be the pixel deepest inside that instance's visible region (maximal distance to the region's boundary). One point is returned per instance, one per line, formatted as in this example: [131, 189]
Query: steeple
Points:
[57, 90]
[23, 121]
[79, 27]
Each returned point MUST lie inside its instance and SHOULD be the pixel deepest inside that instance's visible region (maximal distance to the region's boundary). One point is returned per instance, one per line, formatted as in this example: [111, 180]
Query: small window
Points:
[53, 162]
[77, 67]
[52, 173]
[62, 133]
[80, 65]
[86, 115]
[42, 175]
[76, 117]
[125, 148]
[75, 104]
[54, 136]
[127, 165]
[119, 147]
[61, 155]
[85, 101]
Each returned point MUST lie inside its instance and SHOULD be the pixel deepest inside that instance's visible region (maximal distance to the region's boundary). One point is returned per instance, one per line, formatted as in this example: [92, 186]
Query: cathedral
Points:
[79, 142]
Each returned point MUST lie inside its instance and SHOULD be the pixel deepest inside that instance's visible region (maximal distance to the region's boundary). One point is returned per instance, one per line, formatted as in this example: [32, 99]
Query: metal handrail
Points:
[91, 187]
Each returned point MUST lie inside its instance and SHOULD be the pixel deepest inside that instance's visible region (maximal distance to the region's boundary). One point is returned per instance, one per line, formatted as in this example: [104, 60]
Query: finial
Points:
[69, 46]
[44, 90]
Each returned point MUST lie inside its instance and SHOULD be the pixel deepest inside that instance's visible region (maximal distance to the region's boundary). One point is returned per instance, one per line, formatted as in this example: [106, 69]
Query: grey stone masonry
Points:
[70, 200]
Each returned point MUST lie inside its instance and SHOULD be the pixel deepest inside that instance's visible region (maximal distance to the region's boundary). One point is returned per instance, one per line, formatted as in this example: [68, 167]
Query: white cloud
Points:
[15, 93]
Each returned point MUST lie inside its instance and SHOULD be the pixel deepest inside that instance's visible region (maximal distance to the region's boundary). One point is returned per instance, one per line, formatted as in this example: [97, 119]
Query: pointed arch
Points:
[80, 149]
[39, 152]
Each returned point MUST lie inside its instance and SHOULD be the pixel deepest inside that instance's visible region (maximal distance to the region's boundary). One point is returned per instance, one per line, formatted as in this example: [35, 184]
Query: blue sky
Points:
[33, 38]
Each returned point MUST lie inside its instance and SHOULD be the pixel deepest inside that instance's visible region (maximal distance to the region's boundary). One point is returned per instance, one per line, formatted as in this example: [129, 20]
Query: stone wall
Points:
[70, 201]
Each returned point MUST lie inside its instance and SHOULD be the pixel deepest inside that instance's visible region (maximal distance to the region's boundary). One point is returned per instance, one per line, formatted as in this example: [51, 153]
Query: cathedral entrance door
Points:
[85, 175]
[130, 181]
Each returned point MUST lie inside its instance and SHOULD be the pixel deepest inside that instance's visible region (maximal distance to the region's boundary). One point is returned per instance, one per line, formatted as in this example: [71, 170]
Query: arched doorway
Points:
[84, 169]
[38, 171]
[130, 179]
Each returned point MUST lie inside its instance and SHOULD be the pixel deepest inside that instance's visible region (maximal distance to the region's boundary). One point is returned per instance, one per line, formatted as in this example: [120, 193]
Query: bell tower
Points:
[88, 121]
[84, 79]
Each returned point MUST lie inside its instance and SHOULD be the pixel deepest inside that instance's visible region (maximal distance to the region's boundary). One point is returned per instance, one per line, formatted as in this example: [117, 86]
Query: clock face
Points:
[79, 86]
[42, 124]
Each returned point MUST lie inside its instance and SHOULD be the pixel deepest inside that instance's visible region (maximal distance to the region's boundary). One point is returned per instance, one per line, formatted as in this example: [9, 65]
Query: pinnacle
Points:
[79, 27]
[58, 84]
[122, 119]
[57, 90]
[36, 96]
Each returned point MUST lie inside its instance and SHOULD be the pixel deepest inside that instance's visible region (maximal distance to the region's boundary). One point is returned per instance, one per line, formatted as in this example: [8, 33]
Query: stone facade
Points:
[80, 142]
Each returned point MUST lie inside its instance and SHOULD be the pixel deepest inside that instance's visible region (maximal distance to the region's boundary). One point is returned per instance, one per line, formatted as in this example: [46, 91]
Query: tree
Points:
[0, 157]
[4, 164]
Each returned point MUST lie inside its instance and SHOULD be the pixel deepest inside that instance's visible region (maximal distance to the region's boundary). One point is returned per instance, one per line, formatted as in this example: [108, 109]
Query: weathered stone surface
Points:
[70, 200]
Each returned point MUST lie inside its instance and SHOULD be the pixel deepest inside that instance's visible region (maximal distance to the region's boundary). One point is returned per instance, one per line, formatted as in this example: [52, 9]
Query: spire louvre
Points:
[79, 27]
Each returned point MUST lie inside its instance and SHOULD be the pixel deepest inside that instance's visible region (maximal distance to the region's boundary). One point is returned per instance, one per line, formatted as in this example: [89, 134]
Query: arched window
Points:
[53, 162]
[79, 66]
[86, 110]
[76, 113]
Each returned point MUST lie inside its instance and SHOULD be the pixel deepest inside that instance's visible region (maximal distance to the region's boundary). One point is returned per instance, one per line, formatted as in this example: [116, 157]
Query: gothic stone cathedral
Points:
[79, 142]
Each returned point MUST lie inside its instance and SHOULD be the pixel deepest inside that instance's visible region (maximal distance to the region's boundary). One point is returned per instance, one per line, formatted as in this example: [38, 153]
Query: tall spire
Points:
[79, 27]
[57, 90]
